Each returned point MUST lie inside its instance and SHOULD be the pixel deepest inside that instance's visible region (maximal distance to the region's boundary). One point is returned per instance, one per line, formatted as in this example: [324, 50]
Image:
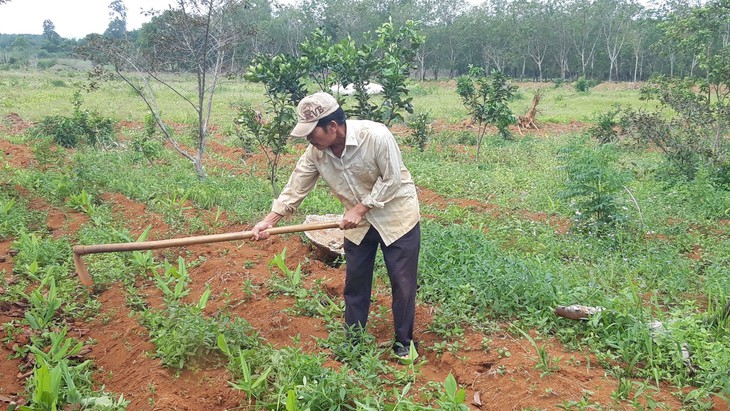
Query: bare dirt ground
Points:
[121, 352]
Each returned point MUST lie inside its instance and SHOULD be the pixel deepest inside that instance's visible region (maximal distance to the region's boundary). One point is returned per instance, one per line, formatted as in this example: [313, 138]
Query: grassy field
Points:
[33, 97]
[503, 246]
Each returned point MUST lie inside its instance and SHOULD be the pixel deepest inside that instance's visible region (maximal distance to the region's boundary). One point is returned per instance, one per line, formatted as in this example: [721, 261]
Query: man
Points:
[361, 162]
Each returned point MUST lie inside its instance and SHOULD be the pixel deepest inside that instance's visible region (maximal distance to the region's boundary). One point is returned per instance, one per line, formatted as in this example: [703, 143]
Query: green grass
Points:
[34, 95]
[477, 268]
[564, 104]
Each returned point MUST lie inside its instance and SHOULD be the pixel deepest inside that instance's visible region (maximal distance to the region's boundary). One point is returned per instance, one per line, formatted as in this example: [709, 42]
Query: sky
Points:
[72, 18]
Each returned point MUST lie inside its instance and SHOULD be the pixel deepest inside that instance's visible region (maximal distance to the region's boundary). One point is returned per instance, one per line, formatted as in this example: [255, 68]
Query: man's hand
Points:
[353, 217]
[259, 230]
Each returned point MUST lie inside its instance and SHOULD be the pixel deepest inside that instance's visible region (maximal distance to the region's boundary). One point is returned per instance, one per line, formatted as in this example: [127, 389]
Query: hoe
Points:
[80, 250]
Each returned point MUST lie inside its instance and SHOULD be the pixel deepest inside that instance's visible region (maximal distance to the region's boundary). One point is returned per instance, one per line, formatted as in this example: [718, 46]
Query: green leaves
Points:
[47, 395]
[43, 306]
[251, 384]
[294, 277]
[453, 397]
[487, 99]
[283, 76]
[592, 185]
[83, 127]
[173, 275]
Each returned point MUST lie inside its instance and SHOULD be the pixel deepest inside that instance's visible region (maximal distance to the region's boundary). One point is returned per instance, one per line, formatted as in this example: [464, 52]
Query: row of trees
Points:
[614, 40]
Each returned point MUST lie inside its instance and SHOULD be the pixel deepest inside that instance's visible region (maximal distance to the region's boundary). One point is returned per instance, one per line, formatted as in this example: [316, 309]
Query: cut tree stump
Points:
[528, 120]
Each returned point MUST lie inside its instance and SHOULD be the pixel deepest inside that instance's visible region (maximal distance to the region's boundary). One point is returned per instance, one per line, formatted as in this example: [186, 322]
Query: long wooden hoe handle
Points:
[80, 250]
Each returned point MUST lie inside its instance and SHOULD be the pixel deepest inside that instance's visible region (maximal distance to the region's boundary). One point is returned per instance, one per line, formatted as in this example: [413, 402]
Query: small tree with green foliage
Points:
[606, 128]
[196, 36]
[386, 57]
[591, 186]
[487, 99]
[420, 124]
[282, 77]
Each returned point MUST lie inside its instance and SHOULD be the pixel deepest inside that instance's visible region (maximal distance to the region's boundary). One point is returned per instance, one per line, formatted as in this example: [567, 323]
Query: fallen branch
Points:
[576, 312]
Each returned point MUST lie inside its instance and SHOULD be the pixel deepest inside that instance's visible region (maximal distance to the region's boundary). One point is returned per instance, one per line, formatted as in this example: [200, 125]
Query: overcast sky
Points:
[72, 18]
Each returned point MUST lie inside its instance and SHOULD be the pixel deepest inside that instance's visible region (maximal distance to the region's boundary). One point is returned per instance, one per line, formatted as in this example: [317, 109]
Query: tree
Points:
[562, 40]
[283, 78]
[51, 39]
[386, 57]
[694, 137]
[21, 50]
[487, 99]
[617, 17]
[584, 29]
[117, 28]
[196, 36]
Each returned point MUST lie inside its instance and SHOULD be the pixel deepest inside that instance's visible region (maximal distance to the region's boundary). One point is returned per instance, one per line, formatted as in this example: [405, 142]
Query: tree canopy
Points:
[617, 40]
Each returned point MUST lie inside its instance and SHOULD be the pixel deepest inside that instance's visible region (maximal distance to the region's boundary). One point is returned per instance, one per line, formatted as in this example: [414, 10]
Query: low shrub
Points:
[83, 127]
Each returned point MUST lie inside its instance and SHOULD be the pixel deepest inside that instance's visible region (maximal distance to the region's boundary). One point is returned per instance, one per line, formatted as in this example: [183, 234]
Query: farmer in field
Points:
[361, 162]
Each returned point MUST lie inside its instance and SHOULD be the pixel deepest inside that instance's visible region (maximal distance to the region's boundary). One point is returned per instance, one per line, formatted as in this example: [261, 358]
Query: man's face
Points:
[323, 137]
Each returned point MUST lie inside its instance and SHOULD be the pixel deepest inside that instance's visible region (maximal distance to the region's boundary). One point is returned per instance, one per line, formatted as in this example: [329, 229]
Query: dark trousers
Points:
[401, 260]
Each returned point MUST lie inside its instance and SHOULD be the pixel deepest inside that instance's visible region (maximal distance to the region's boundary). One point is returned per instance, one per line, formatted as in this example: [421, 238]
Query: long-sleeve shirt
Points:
[370, 171]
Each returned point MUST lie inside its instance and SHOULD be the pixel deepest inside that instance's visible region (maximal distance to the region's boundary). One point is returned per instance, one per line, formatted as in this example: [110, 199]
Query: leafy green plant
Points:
[487, 99]
[83, 202]
[43, 306]
[47, 393]
[386, 57]
[395, 50]
[174, 204]
[453, 397]
[420, 124]
[61, 347]
[15, 217]
[271, 135]
[592, 185]
[181, 333]
[83, 127]
[293, 283]
[147, 147]
[47, 154]
[291, 401]
[412, 366]
[605, 129]
[585, 403]
[584, 85]
[545, 363]
[702, 104]
[691, 139]
[145, 261]
[252, 385]
[46, 252]
[173, 275]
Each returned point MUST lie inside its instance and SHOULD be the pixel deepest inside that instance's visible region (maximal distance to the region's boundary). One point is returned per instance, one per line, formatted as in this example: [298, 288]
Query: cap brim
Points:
[303, 129]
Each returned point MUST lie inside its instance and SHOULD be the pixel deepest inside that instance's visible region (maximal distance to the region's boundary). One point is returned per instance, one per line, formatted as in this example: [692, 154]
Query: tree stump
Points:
[528, 120]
